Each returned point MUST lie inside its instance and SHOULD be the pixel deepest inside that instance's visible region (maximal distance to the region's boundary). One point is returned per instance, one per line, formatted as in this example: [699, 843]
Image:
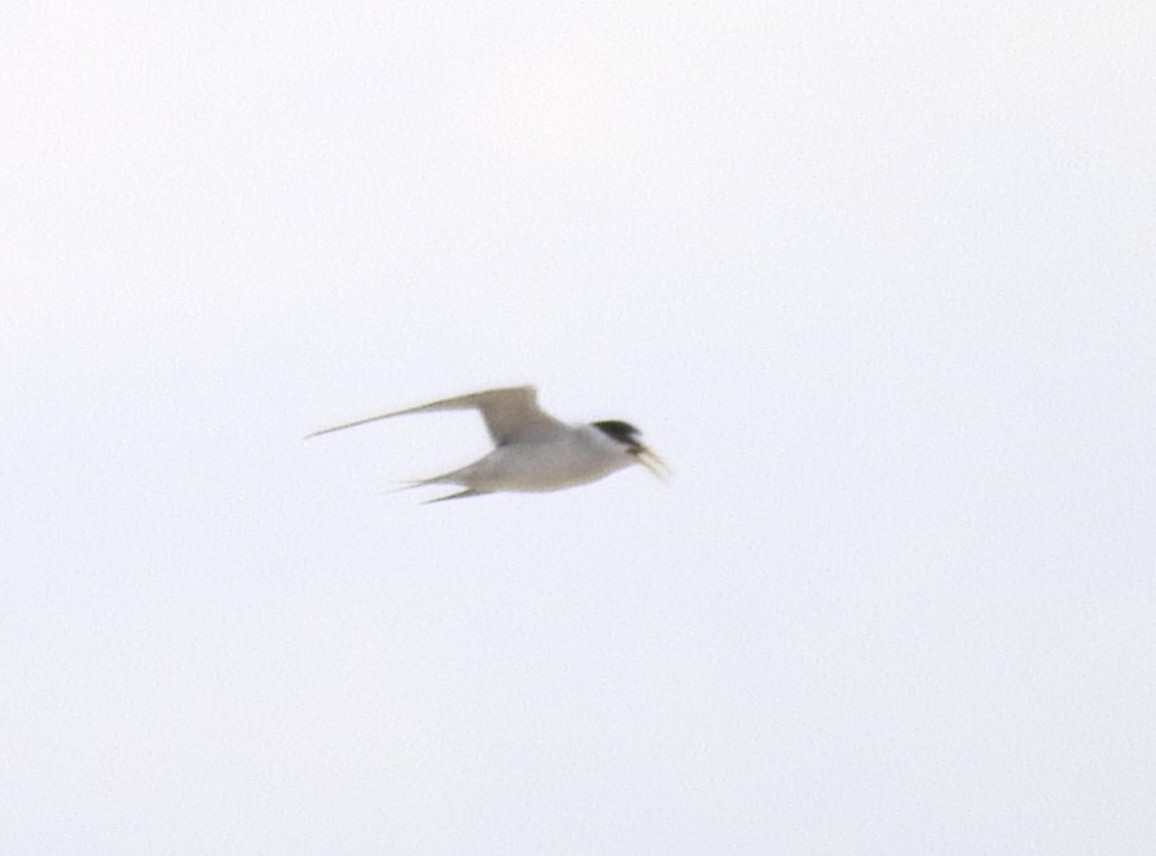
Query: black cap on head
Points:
[623, 432]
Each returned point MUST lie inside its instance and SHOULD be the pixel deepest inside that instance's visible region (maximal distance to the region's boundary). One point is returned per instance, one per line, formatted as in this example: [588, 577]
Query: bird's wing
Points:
[512, 414]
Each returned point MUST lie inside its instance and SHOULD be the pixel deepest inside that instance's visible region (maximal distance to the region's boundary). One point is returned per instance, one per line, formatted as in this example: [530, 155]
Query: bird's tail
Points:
[444, 478]
[459, 495]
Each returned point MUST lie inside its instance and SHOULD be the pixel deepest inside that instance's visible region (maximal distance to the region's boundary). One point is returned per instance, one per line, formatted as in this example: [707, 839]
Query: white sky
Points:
[877, 280]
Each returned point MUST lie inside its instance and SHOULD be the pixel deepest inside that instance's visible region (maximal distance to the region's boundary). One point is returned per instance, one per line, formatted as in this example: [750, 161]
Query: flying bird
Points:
[533, 452]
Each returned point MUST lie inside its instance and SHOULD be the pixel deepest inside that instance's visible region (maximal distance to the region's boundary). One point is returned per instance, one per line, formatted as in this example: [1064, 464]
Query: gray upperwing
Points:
[511, 414]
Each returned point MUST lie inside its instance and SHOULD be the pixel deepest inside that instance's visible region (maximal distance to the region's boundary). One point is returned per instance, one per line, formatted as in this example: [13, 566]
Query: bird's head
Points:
[627, 435]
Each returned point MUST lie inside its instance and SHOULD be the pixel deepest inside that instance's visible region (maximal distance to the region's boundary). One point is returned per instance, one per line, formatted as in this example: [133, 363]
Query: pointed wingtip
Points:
[352, 424]
[322, 431]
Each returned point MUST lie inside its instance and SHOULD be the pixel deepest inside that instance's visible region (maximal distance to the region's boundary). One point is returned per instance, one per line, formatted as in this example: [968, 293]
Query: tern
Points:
[534, 452]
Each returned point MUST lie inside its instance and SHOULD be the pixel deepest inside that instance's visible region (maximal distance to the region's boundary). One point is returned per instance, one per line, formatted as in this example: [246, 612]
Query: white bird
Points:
[534, 451]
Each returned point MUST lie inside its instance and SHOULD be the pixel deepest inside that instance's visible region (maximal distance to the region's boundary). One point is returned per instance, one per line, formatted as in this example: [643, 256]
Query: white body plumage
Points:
[534, 452]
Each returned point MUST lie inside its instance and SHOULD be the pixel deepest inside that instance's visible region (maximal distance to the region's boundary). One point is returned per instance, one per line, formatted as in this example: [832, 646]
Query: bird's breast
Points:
[569, 461]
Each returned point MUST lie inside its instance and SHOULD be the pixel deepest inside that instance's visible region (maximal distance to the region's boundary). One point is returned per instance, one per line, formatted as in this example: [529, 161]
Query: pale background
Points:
[876, 279]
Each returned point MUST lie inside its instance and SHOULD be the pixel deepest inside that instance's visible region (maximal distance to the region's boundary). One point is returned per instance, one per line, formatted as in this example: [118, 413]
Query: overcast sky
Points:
[875, 278]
